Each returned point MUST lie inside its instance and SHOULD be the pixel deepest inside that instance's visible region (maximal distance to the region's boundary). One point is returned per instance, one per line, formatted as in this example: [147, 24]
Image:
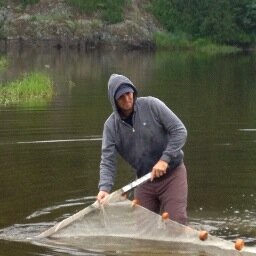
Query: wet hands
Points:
[159, 169]
[102, 197]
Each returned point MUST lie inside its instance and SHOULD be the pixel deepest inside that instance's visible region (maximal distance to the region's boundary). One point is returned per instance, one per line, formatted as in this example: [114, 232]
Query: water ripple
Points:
[69, 203]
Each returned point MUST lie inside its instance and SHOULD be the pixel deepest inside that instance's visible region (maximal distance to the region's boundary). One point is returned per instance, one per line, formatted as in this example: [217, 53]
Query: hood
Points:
[114, 82]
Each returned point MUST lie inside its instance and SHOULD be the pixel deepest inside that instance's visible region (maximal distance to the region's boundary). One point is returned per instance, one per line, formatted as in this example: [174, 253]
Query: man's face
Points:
[125, 102]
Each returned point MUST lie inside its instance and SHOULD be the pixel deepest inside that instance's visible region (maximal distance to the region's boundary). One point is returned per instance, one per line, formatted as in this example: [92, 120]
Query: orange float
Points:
[165, 216]
[135, 202]
[203, 235]
[239, 244]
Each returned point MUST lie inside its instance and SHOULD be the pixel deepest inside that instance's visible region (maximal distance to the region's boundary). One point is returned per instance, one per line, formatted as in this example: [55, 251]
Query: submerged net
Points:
[120, 225]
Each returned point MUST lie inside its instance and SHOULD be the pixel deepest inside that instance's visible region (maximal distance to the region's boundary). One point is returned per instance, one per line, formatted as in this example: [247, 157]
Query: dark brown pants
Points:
[166, 194]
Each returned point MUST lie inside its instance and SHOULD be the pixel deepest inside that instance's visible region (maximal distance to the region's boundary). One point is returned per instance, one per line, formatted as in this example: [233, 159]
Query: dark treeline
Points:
[222, 21]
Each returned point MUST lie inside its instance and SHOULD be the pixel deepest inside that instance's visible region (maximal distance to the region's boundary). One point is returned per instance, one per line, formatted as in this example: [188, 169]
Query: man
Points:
[150, 137]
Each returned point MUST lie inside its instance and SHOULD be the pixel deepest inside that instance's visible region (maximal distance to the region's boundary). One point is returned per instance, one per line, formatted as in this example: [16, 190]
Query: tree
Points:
[222, 21]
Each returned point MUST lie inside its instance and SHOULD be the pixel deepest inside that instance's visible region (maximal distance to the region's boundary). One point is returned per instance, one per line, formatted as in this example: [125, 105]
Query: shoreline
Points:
[96, 42]
[83, 44]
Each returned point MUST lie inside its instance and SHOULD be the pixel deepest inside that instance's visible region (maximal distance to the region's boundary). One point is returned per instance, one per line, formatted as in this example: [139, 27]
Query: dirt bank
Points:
[55, 24]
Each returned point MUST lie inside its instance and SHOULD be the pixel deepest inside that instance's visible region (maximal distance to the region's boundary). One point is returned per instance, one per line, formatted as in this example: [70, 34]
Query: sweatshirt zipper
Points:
[129, 126]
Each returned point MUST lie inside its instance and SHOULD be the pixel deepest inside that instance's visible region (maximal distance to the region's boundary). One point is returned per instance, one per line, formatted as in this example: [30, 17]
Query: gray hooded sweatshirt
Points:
[157, 133]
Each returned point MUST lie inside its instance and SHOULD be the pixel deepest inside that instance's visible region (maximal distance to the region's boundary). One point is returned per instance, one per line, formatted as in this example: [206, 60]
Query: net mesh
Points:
[121, 225]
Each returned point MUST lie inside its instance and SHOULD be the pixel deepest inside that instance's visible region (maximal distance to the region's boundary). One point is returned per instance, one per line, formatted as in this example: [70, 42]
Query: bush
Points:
[2, 2]
[23, 2]
[171, 41]
[223, 21]
[111, 10]
[33, 87]
[3, 63]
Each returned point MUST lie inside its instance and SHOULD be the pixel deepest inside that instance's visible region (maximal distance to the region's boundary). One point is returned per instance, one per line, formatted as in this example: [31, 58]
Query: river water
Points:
[49, 154]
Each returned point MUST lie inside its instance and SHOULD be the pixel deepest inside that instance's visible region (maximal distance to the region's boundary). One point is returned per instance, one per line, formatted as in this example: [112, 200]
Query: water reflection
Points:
[49, 155]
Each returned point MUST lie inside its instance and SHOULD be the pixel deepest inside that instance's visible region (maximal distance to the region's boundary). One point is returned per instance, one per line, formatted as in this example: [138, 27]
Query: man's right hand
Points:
[102, 196]
[159, 169]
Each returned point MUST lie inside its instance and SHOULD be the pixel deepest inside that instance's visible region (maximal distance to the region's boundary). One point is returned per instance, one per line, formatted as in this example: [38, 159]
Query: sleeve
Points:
[177, 132]
[108, 160]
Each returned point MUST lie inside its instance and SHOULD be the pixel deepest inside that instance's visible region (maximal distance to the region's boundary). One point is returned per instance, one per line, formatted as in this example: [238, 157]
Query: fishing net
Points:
[122, 225]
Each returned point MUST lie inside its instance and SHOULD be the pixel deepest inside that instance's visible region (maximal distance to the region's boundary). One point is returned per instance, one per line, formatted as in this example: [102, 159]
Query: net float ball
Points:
[203, 235]
[239, 244]
[165, 216]
[135, 202]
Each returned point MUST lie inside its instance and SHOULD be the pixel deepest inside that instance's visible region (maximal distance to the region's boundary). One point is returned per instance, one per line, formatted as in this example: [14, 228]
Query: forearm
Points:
[107, 177]
[108, 162]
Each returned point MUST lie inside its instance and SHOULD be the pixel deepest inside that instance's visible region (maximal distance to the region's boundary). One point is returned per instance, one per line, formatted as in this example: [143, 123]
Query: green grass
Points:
[171, 41]
[3, 62]
[111, 10]
[18, 3]
[27, 2]
[32, 89]
[206, 46]
[180, 41]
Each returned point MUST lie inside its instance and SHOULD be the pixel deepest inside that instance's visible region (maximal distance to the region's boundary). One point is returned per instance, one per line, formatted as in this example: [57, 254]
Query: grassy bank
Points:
[32, 89]
[204, 26]
[169, 41]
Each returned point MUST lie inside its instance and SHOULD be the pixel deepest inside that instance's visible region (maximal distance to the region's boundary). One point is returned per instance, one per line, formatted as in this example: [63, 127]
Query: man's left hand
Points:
[159, 169]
